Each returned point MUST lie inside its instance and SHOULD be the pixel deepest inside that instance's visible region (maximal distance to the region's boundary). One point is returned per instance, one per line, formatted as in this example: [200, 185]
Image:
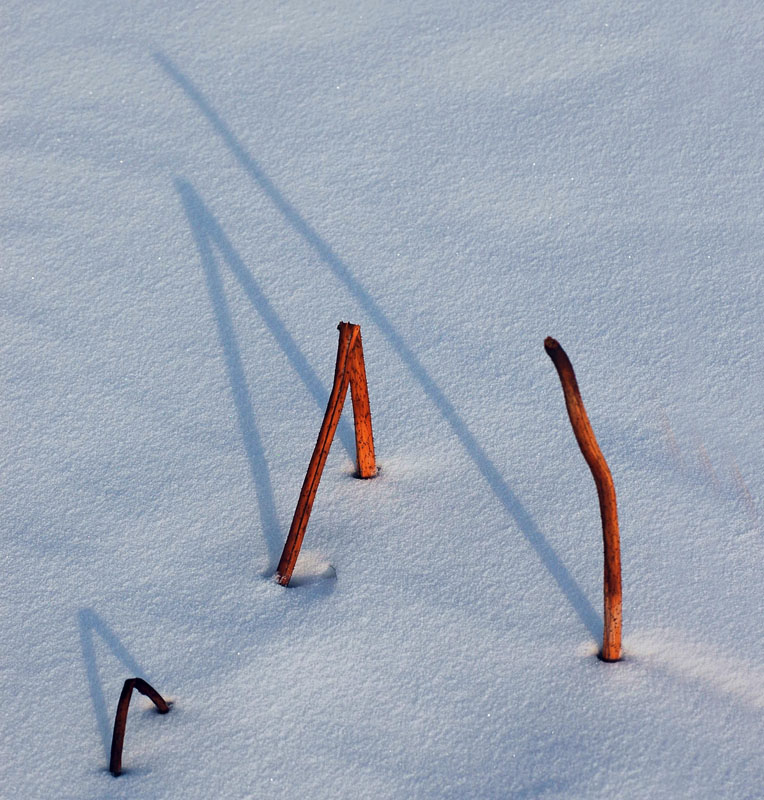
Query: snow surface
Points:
[195, 195]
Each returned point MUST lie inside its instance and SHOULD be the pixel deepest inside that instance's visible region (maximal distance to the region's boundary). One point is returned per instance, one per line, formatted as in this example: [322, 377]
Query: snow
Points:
[195, 196]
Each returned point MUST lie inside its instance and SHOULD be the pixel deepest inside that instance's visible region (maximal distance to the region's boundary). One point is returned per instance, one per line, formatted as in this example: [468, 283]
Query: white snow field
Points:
[194, 195]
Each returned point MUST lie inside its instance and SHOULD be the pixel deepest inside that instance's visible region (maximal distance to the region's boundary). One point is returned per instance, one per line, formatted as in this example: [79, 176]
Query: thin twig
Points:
[348, 337]
[120, 720]
[359, 392]
[611, 645]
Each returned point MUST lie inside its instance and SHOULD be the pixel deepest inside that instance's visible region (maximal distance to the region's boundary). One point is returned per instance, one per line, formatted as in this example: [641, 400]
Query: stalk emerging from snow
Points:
[118, 738]
[349, 369]
[366, 464]
[611, 644]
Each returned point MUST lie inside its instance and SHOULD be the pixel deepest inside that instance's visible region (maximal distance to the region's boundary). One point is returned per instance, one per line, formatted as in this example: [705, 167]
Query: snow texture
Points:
[195, 195]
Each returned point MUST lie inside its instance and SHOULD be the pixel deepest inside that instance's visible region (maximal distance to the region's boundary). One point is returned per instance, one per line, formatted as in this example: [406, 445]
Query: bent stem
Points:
[611, 643]
[120, 720]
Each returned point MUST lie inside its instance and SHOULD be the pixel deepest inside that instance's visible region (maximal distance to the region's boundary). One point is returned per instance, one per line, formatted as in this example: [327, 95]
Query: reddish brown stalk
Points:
[118, 738]
[611, 644]
[359, 393]
[349, 369]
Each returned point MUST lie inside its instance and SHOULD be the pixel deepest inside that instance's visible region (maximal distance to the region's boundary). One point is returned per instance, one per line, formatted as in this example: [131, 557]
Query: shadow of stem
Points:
[500, 488]
[89, 623]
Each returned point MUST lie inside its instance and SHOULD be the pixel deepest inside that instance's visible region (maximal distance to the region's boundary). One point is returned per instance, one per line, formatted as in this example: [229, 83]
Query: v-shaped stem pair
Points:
[350, 369]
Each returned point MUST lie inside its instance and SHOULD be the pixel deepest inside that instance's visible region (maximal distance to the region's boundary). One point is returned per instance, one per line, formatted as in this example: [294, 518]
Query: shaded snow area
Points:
[194, 195]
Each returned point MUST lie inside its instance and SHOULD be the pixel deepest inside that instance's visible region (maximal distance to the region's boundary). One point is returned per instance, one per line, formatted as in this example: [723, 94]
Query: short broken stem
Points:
[359, 392]
[611, 644]
[120, 720]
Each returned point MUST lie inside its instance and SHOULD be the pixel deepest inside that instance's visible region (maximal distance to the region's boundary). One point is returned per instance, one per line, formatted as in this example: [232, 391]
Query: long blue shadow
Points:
[208, 232]
[89, 623]
[567, 584]
[205, 229]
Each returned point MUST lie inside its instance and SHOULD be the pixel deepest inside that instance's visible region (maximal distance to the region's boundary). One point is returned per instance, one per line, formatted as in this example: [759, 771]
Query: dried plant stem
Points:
[359, 392]
[611, 645]
[349, 369]
[118, 737]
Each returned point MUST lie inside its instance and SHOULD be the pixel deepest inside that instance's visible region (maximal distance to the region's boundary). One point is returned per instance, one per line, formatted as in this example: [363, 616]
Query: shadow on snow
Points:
[500, 488]
[90, 623]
